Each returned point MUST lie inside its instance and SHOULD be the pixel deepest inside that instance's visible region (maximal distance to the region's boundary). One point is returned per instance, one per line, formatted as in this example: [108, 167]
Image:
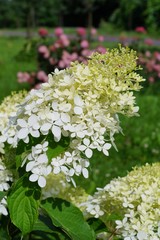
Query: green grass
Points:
[9, 47]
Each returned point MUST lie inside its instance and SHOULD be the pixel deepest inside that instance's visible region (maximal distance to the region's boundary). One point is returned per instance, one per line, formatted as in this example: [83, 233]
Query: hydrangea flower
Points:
[79, 105]
[136, 199]
[5, 178]
[8, 108]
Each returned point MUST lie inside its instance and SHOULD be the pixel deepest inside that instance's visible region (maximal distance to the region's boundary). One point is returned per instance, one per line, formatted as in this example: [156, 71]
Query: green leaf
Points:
[44, 224]
[2, 194]
[97, 225]
[56, 148]
[10, 154]
[68, 217]
[23, 203]
[45, 229]
[4, 235]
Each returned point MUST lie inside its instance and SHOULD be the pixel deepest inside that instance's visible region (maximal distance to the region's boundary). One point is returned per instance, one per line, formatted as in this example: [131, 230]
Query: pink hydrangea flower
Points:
[84, 44]
[23, 77]
[64, 40]
[101, 49]
[86, 52]
[148, 41]
[58, 31]
[101, 38]
[81, 31]
[42, 76]
[43, 32]
[52, 61]
[37, 86]
[74, 56]
[140, 29]
[44, 51]
[157, 55]
[151, 79]
[93, 31]
[61, 64]
[148, 54]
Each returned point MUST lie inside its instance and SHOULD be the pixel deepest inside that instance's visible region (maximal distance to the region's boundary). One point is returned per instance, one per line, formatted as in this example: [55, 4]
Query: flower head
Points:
[78, 105]
[43, 32]
[136, 199]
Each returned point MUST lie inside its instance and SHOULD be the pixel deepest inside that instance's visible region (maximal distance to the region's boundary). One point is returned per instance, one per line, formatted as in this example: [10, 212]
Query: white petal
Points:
[78, 110]
[30, 165]
[36, 126]
[88, 153]
[59, 122]
[141, 235]
[22, 123]
[56, 131]
[46, 126]
[86, 141]
[107, 146]
[45, 144]
[32, 120]
[78, 168]
[82, 147]
[105, 152]
[67, 107]
[23, 133]
[3, 210]
[26, 140]
[48, 169]
[80, 134]
[35, 134]
[56, 170]
[65, 117]
[33, 177]
[55, 116]
[85, 172]
[55, 106]
[78, 100]
[64, 169]
[42, 158]
[71, 172]
[42, 181]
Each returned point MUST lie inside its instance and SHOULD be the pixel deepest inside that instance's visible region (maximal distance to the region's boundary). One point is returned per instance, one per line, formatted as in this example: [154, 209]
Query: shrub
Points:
[54, 133]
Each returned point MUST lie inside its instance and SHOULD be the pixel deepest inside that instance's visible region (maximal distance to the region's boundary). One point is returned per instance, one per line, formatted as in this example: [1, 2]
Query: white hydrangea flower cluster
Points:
[80, 104]
[136, 198]
[5, 178]
[8, 108]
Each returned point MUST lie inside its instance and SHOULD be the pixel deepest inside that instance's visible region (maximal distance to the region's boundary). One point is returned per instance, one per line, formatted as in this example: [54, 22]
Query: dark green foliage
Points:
[68, 217]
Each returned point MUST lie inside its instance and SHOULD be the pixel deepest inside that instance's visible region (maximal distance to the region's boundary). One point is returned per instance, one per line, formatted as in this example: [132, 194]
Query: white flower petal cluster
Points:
[5, 178]
[3, 207]
[136, 198]
[8, 109]
[82, 104]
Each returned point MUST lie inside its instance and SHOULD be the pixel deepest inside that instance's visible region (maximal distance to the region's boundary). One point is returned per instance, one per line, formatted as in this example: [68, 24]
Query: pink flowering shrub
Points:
[150, 61]
[60, 51]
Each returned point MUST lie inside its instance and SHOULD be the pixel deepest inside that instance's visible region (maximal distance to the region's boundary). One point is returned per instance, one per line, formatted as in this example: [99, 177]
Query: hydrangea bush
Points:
[51, 137]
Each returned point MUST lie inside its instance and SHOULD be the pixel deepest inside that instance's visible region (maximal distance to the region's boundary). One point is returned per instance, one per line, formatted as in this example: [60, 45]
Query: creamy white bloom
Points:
[79, 105]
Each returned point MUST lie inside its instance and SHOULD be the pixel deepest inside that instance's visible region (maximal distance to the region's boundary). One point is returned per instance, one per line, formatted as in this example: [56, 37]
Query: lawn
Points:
[9, 47]
[141, 139]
